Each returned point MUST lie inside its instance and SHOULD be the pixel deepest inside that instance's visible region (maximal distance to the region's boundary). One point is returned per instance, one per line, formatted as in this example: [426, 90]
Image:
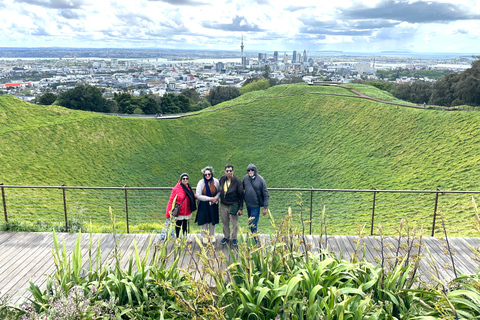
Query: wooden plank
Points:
[28, 255]
[42, 266]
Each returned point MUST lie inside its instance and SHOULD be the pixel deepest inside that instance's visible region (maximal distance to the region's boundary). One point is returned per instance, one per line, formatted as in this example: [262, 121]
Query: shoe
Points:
[224, 241]
[213, 240]
[235, 242]
[189, 239]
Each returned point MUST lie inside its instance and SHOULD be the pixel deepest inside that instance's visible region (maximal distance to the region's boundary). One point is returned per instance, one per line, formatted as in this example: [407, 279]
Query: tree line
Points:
[453, 89]
[90, 98]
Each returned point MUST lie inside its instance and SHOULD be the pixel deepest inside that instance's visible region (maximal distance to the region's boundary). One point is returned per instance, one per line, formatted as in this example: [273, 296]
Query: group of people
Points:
[227, 194]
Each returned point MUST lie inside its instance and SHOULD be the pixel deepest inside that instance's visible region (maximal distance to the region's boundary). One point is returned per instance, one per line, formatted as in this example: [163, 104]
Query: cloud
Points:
[192, 3]
[238, 24]
[415, 12]
[40, 32]
[342, 28]
[69, 14]
[57, 4]
[296, 8]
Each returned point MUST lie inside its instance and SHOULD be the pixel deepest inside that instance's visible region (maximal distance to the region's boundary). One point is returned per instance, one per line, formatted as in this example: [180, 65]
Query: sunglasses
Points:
[207, 174]
[184, 178]
[229, 170]
[251, 170]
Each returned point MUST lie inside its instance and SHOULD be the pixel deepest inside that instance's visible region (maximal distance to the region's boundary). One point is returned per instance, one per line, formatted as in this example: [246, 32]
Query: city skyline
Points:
[266, 26]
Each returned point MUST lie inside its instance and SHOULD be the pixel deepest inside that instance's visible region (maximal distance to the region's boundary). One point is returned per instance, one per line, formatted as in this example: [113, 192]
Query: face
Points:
[251, 173]
[185, 180]
[229, 172]
[207, 174]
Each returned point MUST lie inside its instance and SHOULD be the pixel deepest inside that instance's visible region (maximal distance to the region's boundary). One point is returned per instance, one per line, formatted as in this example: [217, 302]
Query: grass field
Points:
[304, 140]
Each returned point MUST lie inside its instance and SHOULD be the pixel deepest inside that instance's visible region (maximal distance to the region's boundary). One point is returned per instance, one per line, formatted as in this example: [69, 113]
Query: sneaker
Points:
[213, 240]
[224, 241]
[235, 242]
[189, 239]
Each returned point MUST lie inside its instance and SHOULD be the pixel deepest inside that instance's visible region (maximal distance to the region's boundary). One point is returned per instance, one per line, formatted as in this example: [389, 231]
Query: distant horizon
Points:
[386, 53]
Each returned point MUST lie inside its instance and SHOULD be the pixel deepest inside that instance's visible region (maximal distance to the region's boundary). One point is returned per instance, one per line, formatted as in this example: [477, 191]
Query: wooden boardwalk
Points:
[26, 256]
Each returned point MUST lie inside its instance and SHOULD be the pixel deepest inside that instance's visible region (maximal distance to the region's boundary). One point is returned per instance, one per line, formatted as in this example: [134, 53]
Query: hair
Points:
[228, 166]
[207, 168]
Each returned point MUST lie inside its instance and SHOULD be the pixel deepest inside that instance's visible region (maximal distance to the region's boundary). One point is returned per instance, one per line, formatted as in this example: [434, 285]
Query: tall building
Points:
[275, 56]
[294, 57]
[305, 59]
[243, 57]
[285, 58]
[299, 57]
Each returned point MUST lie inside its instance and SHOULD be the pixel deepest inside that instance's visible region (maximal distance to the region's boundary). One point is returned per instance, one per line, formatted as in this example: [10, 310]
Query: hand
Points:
[239, 212]
[213, 199]
[264, 211]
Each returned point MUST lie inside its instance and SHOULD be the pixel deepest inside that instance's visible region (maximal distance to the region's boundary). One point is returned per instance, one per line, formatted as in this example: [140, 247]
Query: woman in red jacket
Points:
[184, 193]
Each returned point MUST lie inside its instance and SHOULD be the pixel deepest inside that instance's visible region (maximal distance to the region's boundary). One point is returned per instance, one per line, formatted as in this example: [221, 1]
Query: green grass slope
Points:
[295, 136]
[303, 140]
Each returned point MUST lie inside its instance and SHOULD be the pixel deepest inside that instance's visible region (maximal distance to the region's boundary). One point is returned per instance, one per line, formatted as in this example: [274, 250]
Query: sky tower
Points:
[243, 58]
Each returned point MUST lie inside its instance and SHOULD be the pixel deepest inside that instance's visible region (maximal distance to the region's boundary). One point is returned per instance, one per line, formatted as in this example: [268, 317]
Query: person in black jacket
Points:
[231, 204]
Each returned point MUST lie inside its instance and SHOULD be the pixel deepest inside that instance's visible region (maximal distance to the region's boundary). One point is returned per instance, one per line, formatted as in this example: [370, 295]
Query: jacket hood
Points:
[252, 166]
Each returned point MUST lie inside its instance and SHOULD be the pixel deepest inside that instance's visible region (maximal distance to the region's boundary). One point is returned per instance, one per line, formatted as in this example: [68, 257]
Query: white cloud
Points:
[266, 26]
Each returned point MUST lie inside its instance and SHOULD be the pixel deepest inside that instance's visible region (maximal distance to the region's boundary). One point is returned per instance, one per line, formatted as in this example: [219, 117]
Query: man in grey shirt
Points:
[256, 195]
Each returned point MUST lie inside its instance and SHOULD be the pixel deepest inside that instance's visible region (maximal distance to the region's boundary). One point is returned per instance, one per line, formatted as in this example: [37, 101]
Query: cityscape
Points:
[29, 72]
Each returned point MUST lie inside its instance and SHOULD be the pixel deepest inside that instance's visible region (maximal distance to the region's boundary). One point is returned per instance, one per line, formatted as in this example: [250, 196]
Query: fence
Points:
[142, 209]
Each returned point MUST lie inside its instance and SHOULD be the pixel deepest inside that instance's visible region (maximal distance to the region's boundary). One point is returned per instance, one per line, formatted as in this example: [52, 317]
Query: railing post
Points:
[373, 211]
[435, 213]
[4, 203]
[126, 208]
[311, 209]
[65, 207]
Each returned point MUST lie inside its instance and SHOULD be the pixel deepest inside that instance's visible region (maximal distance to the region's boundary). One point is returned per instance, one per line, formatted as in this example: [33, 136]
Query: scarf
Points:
[207, 186]
[188, 191]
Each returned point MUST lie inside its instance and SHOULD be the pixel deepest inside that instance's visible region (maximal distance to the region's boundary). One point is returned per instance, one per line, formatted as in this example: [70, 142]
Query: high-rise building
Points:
[294, 57]
[305, 59]
[243, 58]
[275, 56]
[299, 57]
[285, 58]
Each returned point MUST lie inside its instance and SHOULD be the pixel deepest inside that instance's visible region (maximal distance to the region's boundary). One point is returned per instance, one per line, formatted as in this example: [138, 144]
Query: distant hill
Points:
[295, 137]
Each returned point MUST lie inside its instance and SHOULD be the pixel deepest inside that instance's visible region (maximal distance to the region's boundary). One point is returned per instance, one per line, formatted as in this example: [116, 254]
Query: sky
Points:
[265, 25]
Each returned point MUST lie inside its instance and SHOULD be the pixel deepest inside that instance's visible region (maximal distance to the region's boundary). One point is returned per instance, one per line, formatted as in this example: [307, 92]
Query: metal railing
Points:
[346, 210]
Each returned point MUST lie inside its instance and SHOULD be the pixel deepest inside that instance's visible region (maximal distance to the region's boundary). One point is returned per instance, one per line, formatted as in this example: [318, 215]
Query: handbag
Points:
[233, 209]
[176, 209]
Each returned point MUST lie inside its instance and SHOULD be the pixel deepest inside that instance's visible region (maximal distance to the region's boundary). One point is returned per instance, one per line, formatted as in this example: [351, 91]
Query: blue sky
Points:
[266, 25]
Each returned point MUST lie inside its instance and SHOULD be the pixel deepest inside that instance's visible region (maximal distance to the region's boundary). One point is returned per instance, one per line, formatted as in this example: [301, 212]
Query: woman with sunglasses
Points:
[208, 192]
[184, 195]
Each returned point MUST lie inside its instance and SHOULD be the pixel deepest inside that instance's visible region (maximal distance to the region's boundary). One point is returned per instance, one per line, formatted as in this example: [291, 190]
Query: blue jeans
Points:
[255, 213]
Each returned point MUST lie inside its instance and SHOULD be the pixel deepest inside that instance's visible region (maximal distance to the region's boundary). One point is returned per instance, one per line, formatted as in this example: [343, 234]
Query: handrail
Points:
[130, 200]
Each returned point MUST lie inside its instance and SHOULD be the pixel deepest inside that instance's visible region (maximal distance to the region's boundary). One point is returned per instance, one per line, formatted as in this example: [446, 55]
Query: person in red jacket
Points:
[186, 197]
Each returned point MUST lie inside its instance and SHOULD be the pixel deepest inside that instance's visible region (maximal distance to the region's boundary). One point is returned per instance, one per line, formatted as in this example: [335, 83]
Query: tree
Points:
[221, 94]
[47, 99]
[443, 90]
[266, 72]
[202, 104]
[111, 105]
[183, 103]
[191, 94]
[125, 103]
[169, 104]
[261, 84]
[147, 104]
[83, 97]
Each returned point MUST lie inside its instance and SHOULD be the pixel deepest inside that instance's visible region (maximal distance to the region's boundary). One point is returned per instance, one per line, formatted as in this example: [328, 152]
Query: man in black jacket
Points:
[231, 204]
